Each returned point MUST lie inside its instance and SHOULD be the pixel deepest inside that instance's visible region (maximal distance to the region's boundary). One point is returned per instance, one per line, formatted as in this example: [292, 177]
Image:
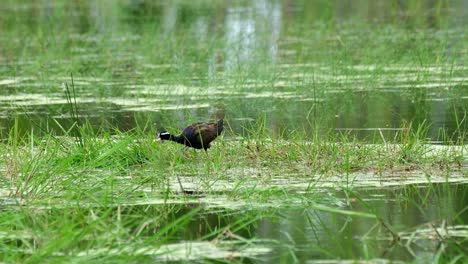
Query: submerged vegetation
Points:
[344, 133]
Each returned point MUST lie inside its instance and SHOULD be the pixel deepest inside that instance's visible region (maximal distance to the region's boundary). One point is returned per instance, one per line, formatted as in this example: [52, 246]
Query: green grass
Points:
[68, 195]
[32, 158]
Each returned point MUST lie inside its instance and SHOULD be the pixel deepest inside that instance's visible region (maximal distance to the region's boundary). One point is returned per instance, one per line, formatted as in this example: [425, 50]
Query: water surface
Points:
[350, 68]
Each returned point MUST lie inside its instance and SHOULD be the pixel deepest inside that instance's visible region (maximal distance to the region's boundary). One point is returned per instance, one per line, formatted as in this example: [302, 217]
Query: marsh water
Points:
[345, 67]
[361, 68]
[304, 232]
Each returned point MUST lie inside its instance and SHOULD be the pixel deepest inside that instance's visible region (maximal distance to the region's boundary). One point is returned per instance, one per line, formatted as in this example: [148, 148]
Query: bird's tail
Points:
[219, 127]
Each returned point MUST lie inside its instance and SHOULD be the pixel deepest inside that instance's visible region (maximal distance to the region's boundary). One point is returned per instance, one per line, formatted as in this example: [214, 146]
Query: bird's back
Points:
[199, 135]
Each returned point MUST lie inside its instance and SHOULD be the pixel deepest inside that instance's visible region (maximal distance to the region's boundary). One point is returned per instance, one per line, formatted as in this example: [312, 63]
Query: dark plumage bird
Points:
[197, 135]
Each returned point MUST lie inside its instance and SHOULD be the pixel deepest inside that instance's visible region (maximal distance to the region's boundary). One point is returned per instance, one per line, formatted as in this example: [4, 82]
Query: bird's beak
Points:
[158, 139]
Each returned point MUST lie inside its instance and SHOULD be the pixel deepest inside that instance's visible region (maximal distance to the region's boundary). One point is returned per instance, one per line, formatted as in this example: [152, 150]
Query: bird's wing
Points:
[205, 131]
[192, 131]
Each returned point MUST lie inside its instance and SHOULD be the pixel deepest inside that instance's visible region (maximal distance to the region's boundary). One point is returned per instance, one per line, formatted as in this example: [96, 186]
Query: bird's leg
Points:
[184, 151]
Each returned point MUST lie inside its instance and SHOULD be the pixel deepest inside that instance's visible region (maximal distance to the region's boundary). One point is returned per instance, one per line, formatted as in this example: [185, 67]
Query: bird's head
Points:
[163, 135]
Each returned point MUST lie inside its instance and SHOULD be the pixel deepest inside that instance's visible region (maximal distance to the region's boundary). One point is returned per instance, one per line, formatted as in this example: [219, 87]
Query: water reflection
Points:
[323, 235]
[250, 30]
[297, 63]
[331, 225]
[364, 114]
[304, 233]
[240, 37]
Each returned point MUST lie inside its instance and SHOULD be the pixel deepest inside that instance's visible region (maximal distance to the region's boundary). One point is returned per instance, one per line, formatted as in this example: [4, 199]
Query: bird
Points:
[197, 135]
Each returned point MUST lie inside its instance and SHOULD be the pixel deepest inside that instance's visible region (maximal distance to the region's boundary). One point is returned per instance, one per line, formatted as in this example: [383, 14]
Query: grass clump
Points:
[122, 193]
[34, 166]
